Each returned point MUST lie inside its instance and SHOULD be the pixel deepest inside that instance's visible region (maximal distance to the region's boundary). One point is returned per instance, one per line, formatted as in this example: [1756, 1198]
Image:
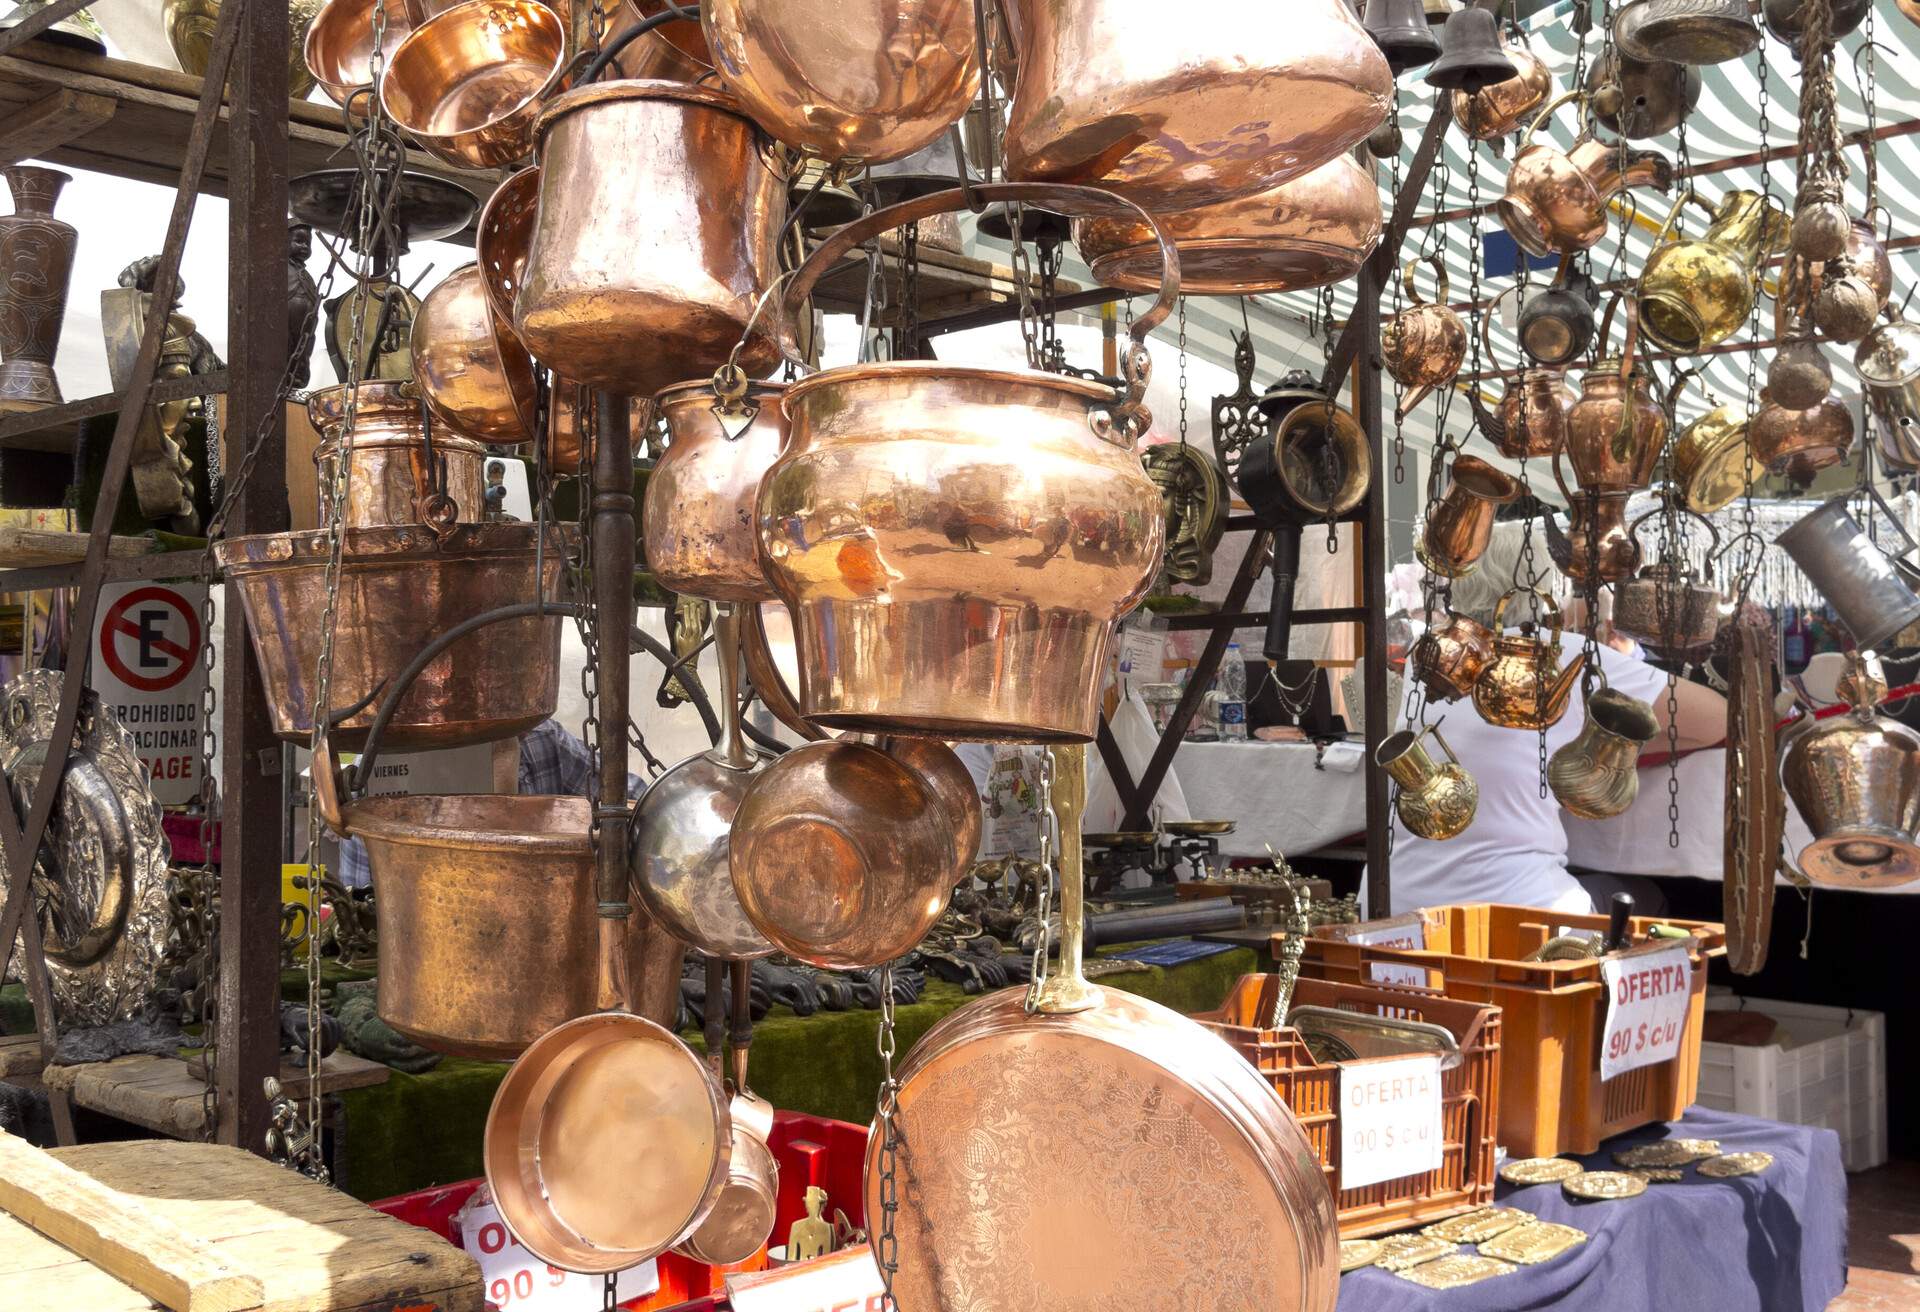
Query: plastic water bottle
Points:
[1233, 706]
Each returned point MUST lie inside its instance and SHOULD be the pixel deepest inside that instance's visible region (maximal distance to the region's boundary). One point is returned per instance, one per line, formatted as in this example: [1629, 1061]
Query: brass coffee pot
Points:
[1697, 292]
[1597, 775]
[1616, 429]
[1448, 658]
[1521, 687]
[1556, 201]
[1425, 344]
[1687, 31]
[1460, 522]
[1436, 801]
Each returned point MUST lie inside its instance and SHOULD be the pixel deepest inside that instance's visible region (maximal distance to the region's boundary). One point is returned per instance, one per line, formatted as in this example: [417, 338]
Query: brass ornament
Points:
[1356, 1253]
[1820, 230]
[1457, 1271]
[1596, 1186]
[1237, 417]
[1193, 505]
[1798, 376]
[1659, 1174]
[1530, 1245]
[1667, 1152]
[1478, 1226]
[1540, 1170]
[1732, 1164]
[1399, 1252]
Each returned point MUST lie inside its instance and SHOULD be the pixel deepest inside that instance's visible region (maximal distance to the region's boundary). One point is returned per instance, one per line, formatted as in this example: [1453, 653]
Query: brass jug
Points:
[1616, 429]
[1500, 109]
[1597, 775]
[1520, 688]
[1425, 344]
[1697, 292]
[1556, 201]
[1687, 31]
[1448, 658]
[1460, 522]
[1711, 461]
[1436, 801]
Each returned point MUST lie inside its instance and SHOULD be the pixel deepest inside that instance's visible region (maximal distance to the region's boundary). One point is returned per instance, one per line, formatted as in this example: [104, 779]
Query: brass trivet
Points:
[1539, 1170]
[1667, 1152]
[1532, 1244]
[1398, 1252]
[1659, 1174]
[1732, 1164]
[1460, 1269]
[1478, 1225]
[1595, 1185]
[1356, 1253]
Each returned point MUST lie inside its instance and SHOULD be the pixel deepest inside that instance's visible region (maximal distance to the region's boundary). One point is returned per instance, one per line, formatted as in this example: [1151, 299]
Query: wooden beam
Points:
[118, 1235]
[51, 123]
[37, 22]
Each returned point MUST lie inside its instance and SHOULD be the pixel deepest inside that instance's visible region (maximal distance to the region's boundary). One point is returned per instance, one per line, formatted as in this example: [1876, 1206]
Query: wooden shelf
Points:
[949, 283]
[57, 429]
[135, 561]
[132, 121]
[163, 1094]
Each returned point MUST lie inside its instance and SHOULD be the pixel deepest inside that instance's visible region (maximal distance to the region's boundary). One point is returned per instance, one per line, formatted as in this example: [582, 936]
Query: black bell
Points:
[1471, 58]
[1399, 28]
[1556, 326]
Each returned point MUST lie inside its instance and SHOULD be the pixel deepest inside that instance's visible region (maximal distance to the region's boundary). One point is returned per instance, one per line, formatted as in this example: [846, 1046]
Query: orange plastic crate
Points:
[1554, 1013]
[1469, 1099]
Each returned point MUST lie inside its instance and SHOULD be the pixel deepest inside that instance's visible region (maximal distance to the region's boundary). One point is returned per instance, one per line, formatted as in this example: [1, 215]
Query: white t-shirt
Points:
[1515, 850]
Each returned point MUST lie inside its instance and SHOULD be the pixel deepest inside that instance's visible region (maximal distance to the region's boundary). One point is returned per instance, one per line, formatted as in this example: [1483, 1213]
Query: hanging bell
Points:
[829, 201]
[1472, 59]
[1400, 29]
[78, 31]
[1556, 325]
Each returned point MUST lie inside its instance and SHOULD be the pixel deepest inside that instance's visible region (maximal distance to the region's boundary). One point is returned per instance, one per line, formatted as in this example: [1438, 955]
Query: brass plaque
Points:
[1667, 1152]
[1398, 1252]
[1604, 1184]
[1539, 1170]
[1460, 1269]
[1732, 1164]
[1475, 1226]
[1529, 1245]
[1659, 1174]
[1356, 1253]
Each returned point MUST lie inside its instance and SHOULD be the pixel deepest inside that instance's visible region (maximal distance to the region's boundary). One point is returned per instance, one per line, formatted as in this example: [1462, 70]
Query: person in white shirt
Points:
[1515, 851]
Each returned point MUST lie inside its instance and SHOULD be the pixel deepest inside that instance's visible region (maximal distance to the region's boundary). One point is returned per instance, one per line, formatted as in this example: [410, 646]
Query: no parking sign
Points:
[148, 672]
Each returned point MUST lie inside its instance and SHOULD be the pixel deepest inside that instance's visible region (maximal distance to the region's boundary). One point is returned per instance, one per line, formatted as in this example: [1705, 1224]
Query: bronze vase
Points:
[36, 262]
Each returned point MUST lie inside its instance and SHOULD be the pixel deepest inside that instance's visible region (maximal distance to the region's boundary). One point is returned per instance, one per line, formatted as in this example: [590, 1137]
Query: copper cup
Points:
[468, 84]
[472, 369]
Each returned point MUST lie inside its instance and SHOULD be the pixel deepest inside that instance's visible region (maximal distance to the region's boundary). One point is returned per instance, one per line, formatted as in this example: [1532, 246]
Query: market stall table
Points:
[1772, 1242]
[1290, 797]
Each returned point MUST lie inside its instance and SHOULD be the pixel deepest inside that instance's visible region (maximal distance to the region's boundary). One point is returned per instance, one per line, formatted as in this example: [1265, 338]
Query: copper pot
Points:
[1556, 201]
[1181, 114]
[1532, 414]
[1500, 109]
[399, 589]
[1317, 229]
[698, 519]
[881, 80]
[474, 372]
[675, 52]
[1425, 344]
[1616, 429]
[690, 39]
[1855, 779]
[1460, 523]
[468, 83]
[981, 530]
[641, 238]
[388, 476]
[1801, 442]
[1449, 657]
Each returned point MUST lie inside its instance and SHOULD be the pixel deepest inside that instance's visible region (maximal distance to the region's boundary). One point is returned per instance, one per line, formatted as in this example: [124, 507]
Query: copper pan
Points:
[473, 370]
[389, 481]
[339, 45]
[701, 538]
[468, 83]
[879, 81]
[1039, 1155]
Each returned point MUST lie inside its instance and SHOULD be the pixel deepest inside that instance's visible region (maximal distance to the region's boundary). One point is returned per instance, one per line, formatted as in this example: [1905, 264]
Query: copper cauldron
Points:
[698, 519]
[658, 222]
[399, 589]
[1449, 657]
[880, 80]
[389, 478]
[1556, 201]
[1425, 344]
[1317, 229]
[955, 543]
[1499, 110]
[468, 83]
[1800, 443]
[1616, 429]
[1188, 113]
[474, 372]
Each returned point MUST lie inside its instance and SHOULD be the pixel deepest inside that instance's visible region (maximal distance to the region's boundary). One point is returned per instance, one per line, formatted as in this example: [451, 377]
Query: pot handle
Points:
[1546, 112]
[1440, 283]
[764, 675]
[1713, 533]
[326, 784]
[1548, 606]
[1628, 349]
[1129, 417]
[1486, 323]
[1445, 746]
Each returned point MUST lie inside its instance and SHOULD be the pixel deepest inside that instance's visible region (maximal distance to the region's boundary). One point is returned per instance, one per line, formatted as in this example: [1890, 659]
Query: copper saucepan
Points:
[743, 1215]
[476, 375]
[1041, 1153]
[468, 83]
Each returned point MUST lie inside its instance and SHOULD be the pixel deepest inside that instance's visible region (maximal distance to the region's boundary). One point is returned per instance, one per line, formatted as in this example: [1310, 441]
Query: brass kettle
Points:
[1666, 608]
[1436, 801]
[1616, 429]
[1556, 201]
[1522, 688]
[1425, 344]
[1597, 775]
[1697, 292]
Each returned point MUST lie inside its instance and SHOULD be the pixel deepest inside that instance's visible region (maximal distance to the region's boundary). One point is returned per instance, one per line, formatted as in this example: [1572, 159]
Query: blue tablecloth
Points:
[1773, 1242]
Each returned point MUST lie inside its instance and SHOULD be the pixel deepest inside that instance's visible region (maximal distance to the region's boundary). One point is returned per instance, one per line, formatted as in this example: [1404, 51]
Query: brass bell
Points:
[1471, 58]
[1400, 29]
[1556, 325]
[829, 201]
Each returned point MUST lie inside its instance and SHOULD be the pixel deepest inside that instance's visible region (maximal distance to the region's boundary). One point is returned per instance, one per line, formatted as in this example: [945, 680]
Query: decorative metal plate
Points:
[1668, 1152]
[1479, 1225]
[1597, 1185]
[1720, 1168]
[1456, 1271]
[1659, 1174]
[1539, 1170]
[1756, 806]
[100, 880]
[1398, 1252]
[1533, 1244]
[1356, 1253]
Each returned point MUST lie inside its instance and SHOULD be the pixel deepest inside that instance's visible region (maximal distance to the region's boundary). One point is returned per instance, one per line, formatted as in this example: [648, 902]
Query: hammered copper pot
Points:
[474, 372]
[879, 81]
[1556, 202]
[400, 588]
[698, 521]
[658, 223]
[1597, 775]
[1524, 686]
[388, 477]
[468, 83]
[1317, 229]
[1503, 108]
[1855, 779]
[1449, 657]
[1801, 442]
[1217, 104]
[1616, 429]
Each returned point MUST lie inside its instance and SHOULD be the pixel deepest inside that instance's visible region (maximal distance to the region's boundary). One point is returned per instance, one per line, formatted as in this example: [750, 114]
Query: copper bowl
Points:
[468, 83]
[1314, 230]
[690, 39]
[502, 237]
[339, 44]
[473, 370]
[676, 52]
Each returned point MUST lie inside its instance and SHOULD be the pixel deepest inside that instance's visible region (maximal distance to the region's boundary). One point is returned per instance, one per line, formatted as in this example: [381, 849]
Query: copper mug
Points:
[1448, 658]
[1460, 523]
[1556, 201]
[1597, 775]
[698, 519]
[1425, 344]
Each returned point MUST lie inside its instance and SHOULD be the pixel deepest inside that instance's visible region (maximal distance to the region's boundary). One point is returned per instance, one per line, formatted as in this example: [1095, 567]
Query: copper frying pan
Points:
[1099, 1152]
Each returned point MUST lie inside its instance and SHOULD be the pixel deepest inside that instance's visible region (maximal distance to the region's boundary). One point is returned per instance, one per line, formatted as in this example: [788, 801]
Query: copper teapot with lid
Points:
[1524, 686]
[1556, 201]
[1425, 344]
[1616, 429]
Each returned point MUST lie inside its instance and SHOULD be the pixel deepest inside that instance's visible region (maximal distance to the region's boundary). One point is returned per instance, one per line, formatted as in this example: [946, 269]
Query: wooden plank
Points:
[119, 1236]
[20, 1055]
[22, 547]
[52, 122]
[156, 1093]
[57, 428]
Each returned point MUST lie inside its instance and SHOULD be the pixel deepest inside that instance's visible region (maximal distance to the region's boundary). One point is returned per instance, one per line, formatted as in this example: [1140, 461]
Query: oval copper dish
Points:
[476, 375]
[502, 236]
[468, 83]
[1315, 230]
[607, 1143]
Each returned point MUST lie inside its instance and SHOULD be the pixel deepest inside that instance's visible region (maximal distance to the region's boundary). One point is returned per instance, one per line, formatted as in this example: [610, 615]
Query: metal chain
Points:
[1053, 351]
[910, 291]
[1023, 288]
[1044, 908]
[1870, 144]
[1183, 370]
[1329, 467]
[596, 25]
[887, 1250]
[1399, 420]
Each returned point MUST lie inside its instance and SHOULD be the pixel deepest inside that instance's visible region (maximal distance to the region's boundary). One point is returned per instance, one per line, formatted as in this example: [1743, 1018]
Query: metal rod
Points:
[1373, 593]
[612, 528]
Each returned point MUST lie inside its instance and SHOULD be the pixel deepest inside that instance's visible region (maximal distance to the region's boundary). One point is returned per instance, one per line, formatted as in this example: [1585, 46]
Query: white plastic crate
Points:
[1828, 1067]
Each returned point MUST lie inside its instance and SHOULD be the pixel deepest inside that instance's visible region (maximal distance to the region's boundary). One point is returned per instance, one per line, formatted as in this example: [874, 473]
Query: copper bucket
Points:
[399, 589]
[658, 223]
[388, 479]
[698, 519]
[955, 544]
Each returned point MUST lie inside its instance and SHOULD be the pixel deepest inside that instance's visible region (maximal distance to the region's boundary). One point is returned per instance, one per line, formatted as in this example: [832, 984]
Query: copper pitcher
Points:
[1599, 543]
[1449, 657]
[1436, 801]
[1616, 429]
[1556, 201]
[1500, 109]
[1460, 523]
[1524, 687]
[1855, 779]
[1187, 113]
[1697, 292]
[659, 218]
[698, 519]
[1425, 344]
[1597, 775]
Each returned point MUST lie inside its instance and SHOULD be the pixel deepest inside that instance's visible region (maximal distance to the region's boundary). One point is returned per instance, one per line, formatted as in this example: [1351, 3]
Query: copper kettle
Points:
[1616, 429]
[1531, 418]
[1556, 201]
[1697, 292]
[1500, 109]
[1425, 344]
[1521, 688]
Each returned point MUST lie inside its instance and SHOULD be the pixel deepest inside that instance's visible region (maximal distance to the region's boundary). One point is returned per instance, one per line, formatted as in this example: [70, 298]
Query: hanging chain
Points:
[1023, 290]
[910, 292]
[1330, 472]
[1870, 144]
[887, 1250]
[596, 25]
[1183, 371]
[1399, 419]
[1044, 888]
